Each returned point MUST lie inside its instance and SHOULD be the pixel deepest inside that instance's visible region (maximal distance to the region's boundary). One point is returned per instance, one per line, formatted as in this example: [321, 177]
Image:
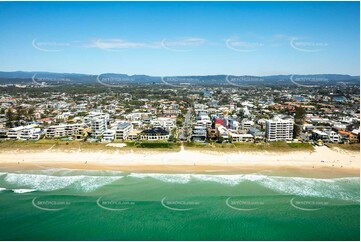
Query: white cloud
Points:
[182, 44]
[111, 44]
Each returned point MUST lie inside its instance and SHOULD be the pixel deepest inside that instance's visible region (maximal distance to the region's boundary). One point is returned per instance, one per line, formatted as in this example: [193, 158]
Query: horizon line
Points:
[83, 73]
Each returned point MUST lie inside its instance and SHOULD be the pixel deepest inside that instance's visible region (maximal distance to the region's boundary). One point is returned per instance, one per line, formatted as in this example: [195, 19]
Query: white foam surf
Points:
[23, 190]
[171, 178]
[300, 186]
[50, 183]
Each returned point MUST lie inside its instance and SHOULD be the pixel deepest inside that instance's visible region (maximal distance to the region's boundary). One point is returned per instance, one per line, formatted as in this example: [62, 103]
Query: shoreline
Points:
[336, 163]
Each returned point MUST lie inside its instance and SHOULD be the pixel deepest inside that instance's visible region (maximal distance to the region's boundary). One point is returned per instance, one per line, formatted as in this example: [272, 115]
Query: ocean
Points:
[64, 204]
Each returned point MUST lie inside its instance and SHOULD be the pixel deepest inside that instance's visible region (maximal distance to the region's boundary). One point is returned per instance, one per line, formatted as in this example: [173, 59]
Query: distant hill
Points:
[114, 79]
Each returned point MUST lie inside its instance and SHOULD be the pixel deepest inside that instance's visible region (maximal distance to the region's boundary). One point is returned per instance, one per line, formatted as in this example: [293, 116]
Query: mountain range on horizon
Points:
[114, 78]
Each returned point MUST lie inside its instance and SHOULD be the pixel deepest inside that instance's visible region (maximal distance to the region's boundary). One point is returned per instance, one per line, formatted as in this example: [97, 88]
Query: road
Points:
[185, 132]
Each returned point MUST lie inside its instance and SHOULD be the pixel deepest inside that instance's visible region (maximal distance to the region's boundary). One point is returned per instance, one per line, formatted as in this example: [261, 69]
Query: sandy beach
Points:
[324, 161]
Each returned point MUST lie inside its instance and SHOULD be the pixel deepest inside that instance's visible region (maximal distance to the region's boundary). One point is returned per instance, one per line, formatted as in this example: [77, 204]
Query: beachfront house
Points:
[24, 132]
[65, 130]
[123, 130]
[134, 134]
[154, 134]
[333, 136]
[199, 134]
[30, 133]
[108, 135]
[14, 133]
[223, 133]
[348, 137]
[241, 137]
[319, 135]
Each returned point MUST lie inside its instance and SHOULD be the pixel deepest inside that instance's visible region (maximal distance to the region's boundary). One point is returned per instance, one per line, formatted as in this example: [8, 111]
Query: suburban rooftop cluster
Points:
[223, 114]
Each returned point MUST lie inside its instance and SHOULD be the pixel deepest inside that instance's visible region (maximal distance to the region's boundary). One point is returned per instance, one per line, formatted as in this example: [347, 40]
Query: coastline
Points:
[336, 163]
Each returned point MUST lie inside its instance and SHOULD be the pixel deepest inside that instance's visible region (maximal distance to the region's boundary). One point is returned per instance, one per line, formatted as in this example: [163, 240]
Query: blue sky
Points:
[181, 38]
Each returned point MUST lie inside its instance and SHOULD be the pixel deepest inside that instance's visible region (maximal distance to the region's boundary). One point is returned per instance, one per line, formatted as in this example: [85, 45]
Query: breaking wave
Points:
[57, 179]
[41, 182]
[337, 188]
[23, 190]
[171, 178]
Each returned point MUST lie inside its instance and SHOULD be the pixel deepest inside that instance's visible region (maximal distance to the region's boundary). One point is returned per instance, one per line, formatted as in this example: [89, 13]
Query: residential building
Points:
[123, 130]
[333, 136]
[223, 133]
[241, 137]
[278, 129]
[203, 120]
[22, 131]
[257, 134]
[134, 134]
[154, 134]
[30, 133]
[98, 126]
[320, 135]
[348, 137]
[199, 134]
[246, 124]
[109, 135]
[166, 123]
[98, 123]
[55, 131]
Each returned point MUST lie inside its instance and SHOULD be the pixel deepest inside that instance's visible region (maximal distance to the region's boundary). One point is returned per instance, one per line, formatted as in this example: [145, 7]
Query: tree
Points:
[299, 119]
[299, 113]
[30, 113]
[9, 118]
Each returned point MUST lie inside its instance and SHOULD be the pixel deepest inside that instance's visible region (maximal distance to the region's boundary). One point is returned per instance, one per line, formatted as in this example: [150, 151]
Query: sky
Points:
[181, 38]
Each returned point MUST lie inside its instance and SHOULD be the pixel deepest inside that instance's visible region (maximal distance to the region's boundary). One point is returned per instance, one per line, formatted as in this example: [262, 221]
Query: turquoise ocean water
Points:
[63, 204]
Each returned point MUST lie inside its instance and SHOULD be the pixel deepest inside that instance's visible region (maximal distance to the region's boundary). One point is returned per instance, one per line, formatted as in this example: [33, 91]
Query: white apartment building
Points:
[241, 137]
[123, 130]
[74, 129]
[109, 135]
[30, 134]
[55, 131]
[246, 124]
[204, 120]
[16, 133]
[278, 129]
[62, 130]
[199, 107]
[137, 116]
[223, 132]
[98, 123]
[166, 123]
[98, 126]
[339, 126]
[134, 134]
[333, 136]
[96, 115]
[199, 134]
